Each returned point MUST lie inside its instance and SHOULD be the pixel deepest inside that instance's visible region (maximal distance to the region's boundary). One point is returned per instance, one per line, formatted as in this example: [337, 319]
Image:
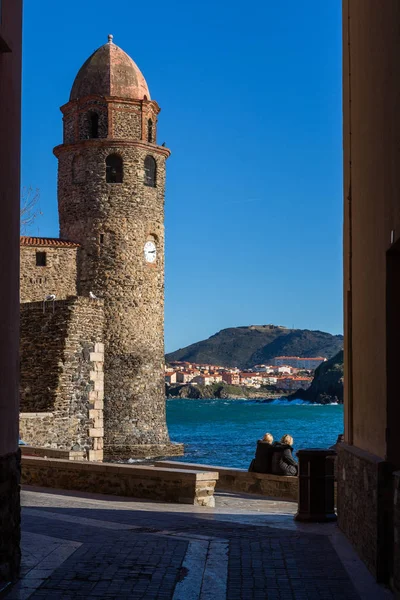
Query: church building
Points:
[92, 301]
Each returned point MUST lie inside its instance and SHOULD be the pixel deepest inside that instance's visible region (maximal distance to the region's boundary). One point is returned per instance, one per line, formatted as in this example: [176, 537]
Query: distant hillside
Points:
[247, 346]
[327, 385]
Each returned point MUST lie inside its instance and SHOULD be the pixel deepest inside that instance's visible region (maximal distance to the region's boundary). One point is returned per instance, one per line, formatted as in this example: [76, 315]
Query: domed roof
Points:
[110, 72]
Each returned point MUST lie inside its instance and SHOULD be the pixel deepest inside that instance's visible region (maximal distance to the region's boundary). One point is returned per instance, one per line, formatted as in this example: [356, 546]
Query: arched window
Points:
[93, 125]
[150, 130]
[114, 169]
[150, 171]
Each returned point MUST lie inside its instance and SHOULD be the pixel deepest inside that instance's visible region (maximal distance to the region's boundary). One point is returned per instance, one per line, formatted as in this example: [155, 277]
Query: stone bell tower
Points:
[111, 183]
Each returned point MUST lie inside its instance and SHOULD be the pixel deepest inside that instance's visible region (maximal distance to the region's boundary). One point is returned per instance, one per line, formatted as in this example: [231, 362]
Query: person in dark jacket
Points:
[283, 462]
[262, 463]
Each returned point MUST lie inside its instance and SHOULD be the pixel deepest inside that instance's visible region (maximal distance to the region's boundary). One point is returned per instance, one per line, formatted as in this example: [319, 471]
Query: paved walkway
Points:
[88, 546]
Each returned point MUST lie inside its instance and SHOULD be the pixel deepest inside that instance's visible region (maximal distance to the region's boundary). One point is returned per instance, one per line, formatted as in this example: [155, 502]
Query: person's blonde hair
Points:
[287, 439]
[268, 437]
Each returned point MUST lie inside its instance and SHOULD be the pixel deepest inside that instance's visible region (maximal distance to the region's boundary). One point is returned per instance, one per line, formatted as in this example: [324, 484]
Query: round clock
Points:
[150, 252]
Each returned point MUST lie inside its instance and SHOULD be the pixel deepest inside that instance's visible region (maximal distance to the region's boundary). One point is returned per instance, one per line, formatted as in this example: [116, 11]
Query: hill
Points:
[327, 385]
[245, 347]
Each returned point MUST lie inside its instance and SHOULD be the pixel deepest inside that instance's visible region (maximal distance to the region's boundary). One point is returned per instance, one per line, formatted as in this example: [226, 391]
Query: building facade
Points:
[368, 480]
[308, 364]
[10, 127]
[111, 184]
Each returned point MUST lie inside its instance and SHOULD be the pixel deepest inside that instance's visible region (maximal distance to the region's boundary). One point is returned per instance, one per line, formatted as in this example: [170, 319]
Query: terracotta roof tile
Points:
[41, 241]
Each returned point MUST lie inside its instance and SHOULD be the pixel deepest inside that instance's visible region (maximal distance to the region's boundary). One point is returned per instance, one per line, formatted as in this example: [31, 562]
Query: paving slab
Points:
[247, 547]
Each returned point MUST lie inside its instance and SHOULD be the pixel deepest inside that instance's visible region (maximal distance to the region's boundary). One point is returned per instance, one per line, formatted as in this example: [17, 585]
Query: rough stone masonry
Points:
[111, 181]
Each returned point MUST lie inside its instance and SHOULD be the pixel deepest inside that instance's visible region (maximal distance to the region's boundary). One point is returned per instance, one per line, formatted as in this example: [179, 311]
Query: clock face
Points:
[150, 252]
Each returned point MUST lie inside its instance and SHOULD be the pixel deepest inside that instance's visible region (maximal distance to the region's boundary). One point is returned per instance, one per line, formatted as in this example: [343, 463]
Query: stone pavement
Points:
[91, 546]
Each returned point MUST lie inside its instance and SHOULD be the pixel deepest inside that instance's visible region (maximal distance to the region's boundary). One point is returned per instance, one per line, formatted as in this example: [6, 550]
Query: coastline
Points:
[218, 392]
[233, 398]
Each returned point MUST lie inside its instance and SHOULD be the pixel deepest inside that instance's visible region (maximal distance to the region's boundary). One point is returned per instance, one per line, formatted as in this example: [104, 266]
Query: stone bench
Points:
[166, 484]
[240, 480]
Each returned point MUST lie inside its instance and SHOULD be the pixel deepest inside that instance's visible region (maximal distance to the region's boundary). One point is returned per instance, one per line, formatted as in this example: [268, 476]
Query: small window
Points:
[150, 171]
[93, 125]
[41, 259]
[114, 169]
[150, 131]
[102, 238]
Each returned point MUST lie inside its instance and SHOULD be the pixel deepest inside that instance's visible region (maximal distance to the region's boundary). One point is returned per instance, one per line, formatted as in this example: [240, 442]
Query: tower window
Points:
[114, 169]
[93, 125]
[150, 130]
[150, 171]
[41, 259]
[102, 238]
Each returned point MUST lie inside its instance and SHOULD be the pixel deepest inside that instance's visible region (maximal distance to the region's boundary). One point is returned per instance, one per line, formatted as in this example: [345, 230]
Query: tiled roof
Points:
[52, 242]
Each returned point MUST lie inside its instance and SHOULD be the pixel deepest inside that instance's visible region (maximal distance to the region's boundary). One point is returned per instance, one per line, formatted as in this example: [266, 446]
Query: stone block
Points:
[96, 432]
[96, 376]
[95, 414]
[96, 357]
[99, 385]
[99, 404]
[96, 455]
[99, 348]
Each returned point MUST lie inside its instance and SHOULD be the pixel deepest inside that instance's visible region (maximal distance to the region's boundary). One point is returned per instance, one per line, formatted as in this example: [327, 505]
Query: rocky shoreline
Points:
[327, 385]
[218, 391]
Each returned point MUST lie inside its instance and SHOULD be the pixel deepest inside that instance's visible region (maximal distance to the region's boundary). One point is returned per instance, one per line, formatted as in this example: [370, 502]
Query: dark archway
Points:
[114, 169]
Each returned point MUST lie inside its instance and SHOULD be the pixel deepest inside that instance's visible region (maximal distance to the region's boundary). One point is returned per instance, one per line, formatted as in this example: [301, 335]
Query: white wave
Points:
[298, 402]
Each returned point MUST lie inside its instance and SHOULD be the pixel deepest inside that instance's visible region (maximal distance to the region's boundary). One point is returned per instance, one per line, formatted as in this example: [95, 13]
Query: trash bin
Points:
[316, 485]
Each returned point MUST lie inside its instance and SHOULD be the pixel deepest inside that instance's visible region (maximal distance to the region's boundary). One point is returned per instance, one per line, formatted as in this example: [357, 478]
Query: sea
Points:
[224, 432]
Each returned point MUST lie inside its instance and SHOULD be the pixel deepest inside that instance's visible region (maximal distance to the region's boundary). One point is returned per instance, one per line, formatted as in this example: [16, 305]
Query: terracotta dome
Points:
[110, 72]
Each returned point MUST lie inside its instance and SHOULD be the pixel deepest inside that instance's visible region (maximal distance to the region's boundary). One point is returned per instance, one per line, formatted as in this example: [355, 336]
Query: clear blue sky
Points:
[251, 109]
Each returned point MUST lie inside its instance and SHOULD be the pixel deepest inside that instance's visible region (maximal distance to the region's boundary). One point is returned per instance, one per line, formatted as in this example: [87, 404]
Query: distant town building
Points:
[291, 384]
[231, 378]
[307, 364]
[184, 377]
[170, 377]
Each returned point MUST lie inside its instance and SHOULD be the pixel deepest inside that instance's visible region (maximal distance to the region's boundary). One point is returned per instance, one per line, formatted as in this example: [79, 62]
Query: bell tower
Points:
[111, 180]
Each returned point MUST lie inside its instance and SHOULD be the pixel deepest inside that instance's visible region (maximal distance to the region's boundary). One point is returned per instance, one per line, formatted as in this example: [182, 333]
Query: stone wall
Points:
[245, 482]
[364, 506]
[39, 428]
[165, 485]
[62, 379]
[57, 277]
[53, 453]
[127, 123]
[10, 517]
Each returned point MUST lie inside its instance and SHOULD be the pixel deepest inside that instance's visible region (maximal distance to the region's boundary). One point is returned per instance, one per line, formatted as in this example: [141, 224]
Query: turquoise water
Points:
[224, 432]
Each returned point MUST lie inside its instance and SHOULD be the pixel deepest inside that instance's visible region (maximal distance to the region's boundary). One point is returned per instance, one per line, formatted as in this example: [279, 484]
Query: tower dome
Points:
[110, 72]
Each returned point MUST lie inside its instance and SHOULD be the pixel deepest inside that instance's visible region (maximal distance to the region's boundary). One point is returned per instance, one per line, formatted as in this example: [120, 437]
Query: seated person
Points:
[263, 461]
[283, 462]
